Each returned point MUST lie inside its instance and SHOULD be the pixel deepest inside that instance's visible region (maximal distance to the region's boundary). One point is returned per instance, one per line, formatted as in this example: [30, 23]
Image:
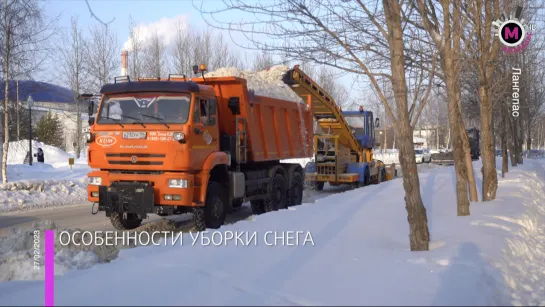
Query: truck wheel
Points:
[257, 207]
[277, 198]
[295, 192]
[131, 222]
[212, 215]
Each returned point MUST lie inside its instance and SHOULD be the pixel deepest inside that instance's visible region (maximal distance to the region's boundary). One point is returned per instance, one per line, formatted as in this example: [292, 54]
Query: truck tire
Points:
[131, 222]
[212, 215]
[277, 199]
[257, 207]
[295, 191]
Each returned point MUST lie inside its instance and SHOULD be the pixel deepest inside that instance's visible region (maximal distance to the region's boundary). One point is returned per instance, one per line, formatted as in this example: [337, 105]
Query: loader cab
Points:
[362, 125]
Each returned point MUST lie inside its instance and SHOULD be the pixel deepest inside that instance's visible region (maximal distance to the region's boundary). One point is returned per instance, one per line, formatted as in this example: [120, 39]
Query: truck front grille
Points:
[135, 159]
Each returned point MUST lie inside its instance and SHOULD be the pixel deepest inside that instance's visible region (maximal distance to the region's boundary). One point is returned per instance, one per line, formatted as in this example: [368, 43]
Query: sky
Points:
[149, 14]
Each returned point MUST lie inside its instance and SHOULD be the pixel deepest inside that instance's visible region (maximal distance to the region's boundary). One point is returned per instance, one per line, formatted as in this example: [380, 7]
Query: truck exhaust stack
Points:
[124, 62]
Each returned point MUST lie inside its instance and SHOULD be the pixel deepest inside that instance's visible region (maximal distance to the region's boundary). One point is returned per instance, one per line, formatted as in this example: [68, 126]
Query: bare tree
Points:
[155, 57]
[349, 36]
[136, 50]
[24, 32]
[443, 21]
[102, 56]
[262, 61]
[193, 46]
[73, 67]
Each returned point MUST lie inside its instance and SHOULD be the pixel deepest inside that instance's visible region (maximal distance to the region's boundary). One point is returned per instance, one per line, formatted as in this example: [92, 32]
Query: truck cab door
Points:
[205, 130]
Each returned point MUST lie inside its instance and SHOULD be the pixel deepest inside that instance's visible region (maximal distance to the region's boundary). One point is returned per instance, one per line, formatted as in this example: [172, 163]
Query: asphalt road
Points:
[79, 216]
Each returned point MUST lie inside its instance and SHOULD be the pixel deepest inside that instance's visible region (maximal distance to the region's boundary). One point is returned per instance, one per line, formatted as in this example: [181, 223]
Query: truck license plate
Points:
[134, 135]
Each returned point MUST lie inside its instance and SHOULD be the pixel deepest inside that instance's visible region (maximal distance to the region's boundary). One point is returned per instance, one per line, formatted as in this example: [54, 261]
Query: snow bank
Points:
[17, 253]
[42, 185]
[16, 256]
[33, 194]
[53, 156]
[359, 255]
[266, 83]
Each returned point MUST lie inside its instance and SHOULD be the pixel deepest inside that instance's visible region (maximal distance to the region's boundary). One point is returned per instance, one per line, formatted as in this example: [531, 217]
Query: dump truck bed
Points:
[276, 129]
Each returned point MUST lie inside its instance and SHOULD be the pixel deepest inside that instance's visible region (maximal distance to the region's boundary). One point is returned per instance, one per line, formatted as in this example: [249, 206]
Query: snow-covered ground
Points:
[43, 184]
[359, 255]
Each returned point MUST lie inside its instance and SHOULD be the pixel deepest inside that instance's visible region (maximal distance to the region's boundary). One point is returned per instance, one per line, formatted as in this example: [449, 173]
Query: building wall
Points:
[67, 118]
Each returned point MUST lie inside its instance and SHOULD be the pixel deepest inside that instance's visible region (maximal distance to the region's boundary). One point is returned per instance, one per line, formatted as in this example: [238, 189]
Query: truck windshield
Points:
[145, 109]
[357, 123]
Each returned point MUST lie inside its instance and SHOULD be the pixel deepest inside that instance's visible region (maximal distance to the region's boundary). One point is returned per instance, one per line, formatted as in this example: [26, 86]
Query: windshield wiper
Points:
[157, 118]
[115, 120]
[138, 121]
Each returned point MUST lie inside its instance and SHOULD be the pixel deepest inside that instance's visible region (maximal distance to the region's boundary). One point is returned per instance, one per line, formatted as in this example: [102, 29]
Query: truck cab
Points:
[362, 125]
[148, 145]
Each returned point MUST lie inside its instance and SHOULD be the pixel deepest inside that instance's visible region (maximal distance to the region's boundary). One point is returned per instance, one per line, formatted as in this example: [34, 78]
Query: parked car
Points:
[422, 155]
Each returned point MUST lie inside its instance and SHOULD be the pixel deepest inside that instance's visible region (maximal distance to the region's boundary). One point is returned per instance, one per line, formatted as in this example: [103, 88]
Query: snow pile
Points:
[359, 255]
[266, 83]
[33, 194]
[54, 156]
[17, 253]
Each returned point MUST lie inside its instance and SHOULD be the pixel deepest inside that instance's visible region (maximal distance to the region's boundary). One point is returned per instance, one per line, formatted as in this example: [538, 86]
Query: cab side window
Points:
[197, 111]
[204, 107]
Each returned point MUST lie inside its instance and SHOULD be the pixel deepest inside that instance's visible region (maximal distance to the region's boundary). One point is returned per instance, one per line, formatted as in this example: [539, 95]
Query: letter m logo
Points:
[514, 33]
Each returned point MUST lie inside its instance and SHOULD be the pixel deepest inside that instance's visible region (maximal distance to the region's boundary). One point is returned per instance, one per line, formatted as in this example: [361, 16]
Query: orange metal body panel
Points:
[277, 129]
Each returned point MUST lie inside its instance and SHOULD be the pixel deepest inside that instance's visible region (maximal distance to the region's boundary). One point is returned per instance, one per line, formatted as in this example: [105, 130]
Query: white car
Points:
[422, 155]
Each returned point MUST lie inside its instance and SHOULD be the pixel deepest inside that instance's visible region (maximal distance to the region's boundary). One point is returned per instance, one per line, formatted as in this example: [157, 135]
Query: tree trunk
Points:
[418, 222]
[518, 149]
[17, 114]
[503, 136]
[7, 59]
[490, 177]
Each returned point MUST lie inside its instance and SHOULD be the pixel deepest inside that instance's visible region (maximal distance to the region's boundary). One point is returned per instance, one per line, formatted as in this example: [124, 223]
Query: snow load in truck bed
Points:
[266, 83]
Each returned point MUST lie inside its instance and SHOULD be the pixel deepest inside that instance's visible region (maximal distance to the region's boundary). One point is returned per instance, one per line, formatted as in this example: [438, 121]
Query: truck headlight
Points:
[177, 183]
[178, 136]
[94, 180]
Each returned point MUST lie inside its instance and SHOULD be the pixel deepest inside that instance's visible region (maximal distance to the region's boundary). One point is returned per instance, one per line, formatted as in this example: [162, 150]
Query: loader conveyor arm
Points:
[323, 107]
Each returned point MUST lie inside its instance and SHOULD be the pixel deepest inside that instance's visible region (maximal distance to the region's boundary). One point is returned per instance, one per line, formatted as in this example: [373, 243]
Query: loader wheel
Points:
[238, 203]
[318, 185]
[212, 215]
[382, 175]
[277, 198]
[366, 177]
[295, 192]
[257, 207]
[131, 222]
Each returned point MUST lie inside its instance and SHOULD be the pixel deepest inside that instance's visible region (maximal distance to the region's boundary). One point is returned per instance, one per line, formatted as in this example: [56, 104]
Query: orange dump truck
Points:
[204, 146]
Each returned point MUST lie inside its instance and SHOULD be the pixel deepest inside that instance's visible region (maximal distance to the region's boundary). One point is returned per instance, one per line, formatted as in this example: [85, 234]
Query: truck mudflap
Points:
[130, 197]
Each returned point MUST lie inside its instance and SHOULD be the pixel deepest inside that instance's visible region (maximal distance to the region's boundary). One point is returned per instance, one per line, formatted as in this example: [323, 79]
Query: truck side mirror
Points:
[91, 108]
[377, 123]
[212, 106]
[234, 105]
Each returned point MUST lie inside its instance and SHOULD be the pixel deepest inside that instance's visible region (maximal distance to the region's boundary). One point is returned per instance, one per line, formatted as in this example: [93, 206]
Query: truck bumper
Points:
[156, 189]
[126, 197]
